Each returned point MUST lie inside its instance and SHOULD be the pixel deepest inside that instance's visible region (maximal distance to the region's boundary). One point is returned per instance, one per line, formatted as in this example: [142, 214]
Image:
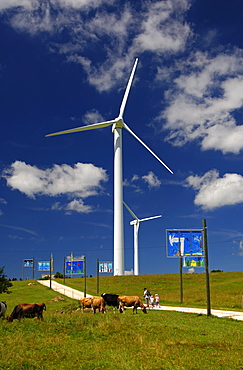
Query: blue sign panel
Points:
[44, 266]
[28, 262]
[105, 267]
[184, 243]
[74, 267]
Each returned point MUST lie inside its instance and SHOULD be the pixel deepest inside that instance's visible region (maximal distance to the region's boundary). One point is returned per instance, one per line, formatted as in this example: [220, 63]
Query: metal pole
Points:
[206, 267]
[84, 276]
[23, 271]
[181, 281]
[98, 276]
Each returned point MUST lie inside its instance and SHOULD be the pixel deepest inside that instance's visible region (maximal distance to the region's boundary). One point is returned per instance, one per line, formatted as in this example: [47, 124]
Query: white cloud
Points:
[3, 201]
[162, 31]
[152, 180]
[204, 101]
[7, 4]
[35, 4]
[78, 206]
[92, 116]
[122, 32]
[240, 253]
[82, 180]
[214, 192]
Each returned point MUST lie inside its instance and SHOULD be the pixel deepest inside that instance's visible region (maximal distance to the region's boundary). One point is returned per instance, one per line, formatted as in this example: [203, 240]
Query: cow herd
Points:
[31, 310]
[114, 300]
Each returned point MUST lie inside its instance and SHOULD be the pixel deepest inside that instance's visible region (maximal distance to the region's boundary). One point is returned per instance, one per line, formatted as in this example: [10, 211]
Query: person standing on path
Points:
[146, 294]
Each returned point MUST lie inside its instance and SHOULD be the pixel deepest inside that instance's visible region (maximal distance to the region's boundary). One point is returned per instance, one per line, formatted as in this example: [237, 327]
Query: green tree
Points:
[5, 284]
[58, 275]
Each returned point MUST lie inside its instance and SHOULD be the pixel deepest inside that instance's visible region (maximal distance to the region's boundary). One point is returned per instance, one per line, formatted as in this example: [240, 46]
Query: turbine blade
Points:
[149, 218]
[129, 84]
[130, 211]
[141, 142]
[84, 128]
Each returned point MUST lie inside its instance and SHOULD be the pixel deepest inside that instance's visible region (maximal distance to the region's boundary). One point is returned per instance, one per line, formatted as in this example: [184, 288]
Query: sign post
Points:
[206, 268]
[85, 285]
[28, 262]
[187, 245]
[98, 276]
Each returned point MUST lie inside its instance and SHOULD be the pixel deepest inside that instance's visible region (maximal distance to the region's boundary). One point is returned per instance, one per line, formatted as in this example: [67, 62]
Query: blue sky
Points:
[66, 63]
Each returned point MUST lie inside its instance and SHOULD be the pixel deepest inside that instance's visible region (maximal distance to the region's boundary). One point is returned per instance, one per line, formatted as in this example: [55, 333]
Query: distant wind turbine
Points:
[136, 223]
[117, 125]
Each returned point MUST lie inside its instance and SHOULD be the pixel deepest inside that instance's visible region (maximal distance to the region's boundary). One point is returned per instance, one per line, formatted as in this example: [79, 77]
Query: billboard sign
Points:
[74, 265]
[44, 266]
[105, 267]
[28, 262]
[184, 243]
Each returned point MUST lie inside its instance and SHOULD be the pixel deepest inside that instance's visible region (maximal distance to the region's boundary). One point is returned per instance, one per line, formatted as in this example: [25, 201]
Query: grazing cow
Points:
[3, 307]
[111, 300]
[131, 301]
[28, 310]
[98, 303]
[85, 302]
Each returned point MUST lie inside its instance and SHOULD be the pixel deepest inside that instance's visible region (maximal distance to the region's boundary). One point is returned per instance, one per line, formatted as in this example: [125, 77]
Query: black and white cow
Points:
[3, 308]
[111, 300]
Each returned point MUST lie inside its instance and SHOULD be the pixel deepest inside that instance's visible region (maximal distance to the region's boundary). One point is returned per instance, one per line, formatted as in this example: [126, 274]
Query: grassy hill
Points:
[160, 340]
[226, 288]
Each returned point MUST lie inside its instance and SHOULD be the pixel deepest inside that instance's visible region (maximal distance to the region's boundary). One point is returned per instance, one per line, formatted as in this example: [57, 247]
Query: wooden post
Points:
[98, 276]
[206, 268]
[51, 259]
[84, 276]
[64, 270]
[33, 269]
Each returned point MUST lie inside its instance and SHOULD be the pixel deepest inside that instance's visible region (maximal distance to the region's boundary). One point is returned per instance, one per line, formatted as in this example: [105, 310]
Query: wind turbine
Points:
[117, 125]
[136, 223]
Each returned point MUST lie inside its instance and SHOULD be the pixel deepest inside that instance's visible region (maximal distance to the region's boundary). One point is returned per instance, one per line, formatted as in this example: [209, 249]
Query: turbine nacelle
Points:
[118, 123]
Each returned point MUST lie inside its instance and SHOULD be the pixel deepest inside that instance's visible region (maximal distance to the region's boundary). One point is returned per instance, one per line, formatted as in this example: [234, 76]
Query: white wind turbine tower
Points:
[117, 125]
[136, 223]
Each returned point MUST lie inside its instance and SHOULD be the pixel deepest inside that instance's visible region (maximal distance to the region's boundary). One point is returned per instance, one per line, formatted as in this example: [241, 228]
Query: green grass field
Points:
[157, 340]
[226, 288]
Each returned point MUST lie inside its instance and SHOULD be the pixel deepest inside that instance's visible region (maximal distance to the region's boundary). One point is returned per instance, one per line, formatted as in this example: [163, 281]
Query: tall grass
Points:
[159, 340]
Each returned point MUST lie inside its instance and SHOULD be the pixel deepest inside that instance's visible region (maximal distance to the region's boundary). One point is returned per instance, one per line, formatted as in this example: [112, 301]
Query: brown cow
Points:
[98, 303]
[28, 310]
[85, 303]
[131, 301]
[92, 302]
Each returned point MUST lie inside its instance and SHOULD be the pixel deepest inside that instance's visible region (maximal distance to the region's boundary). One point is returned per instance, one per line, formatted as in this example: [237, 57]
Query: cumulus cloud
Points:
[204, 101]
[80, 181]
[214, 191]
[92, 116]
[76, 205]
[152, 180]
